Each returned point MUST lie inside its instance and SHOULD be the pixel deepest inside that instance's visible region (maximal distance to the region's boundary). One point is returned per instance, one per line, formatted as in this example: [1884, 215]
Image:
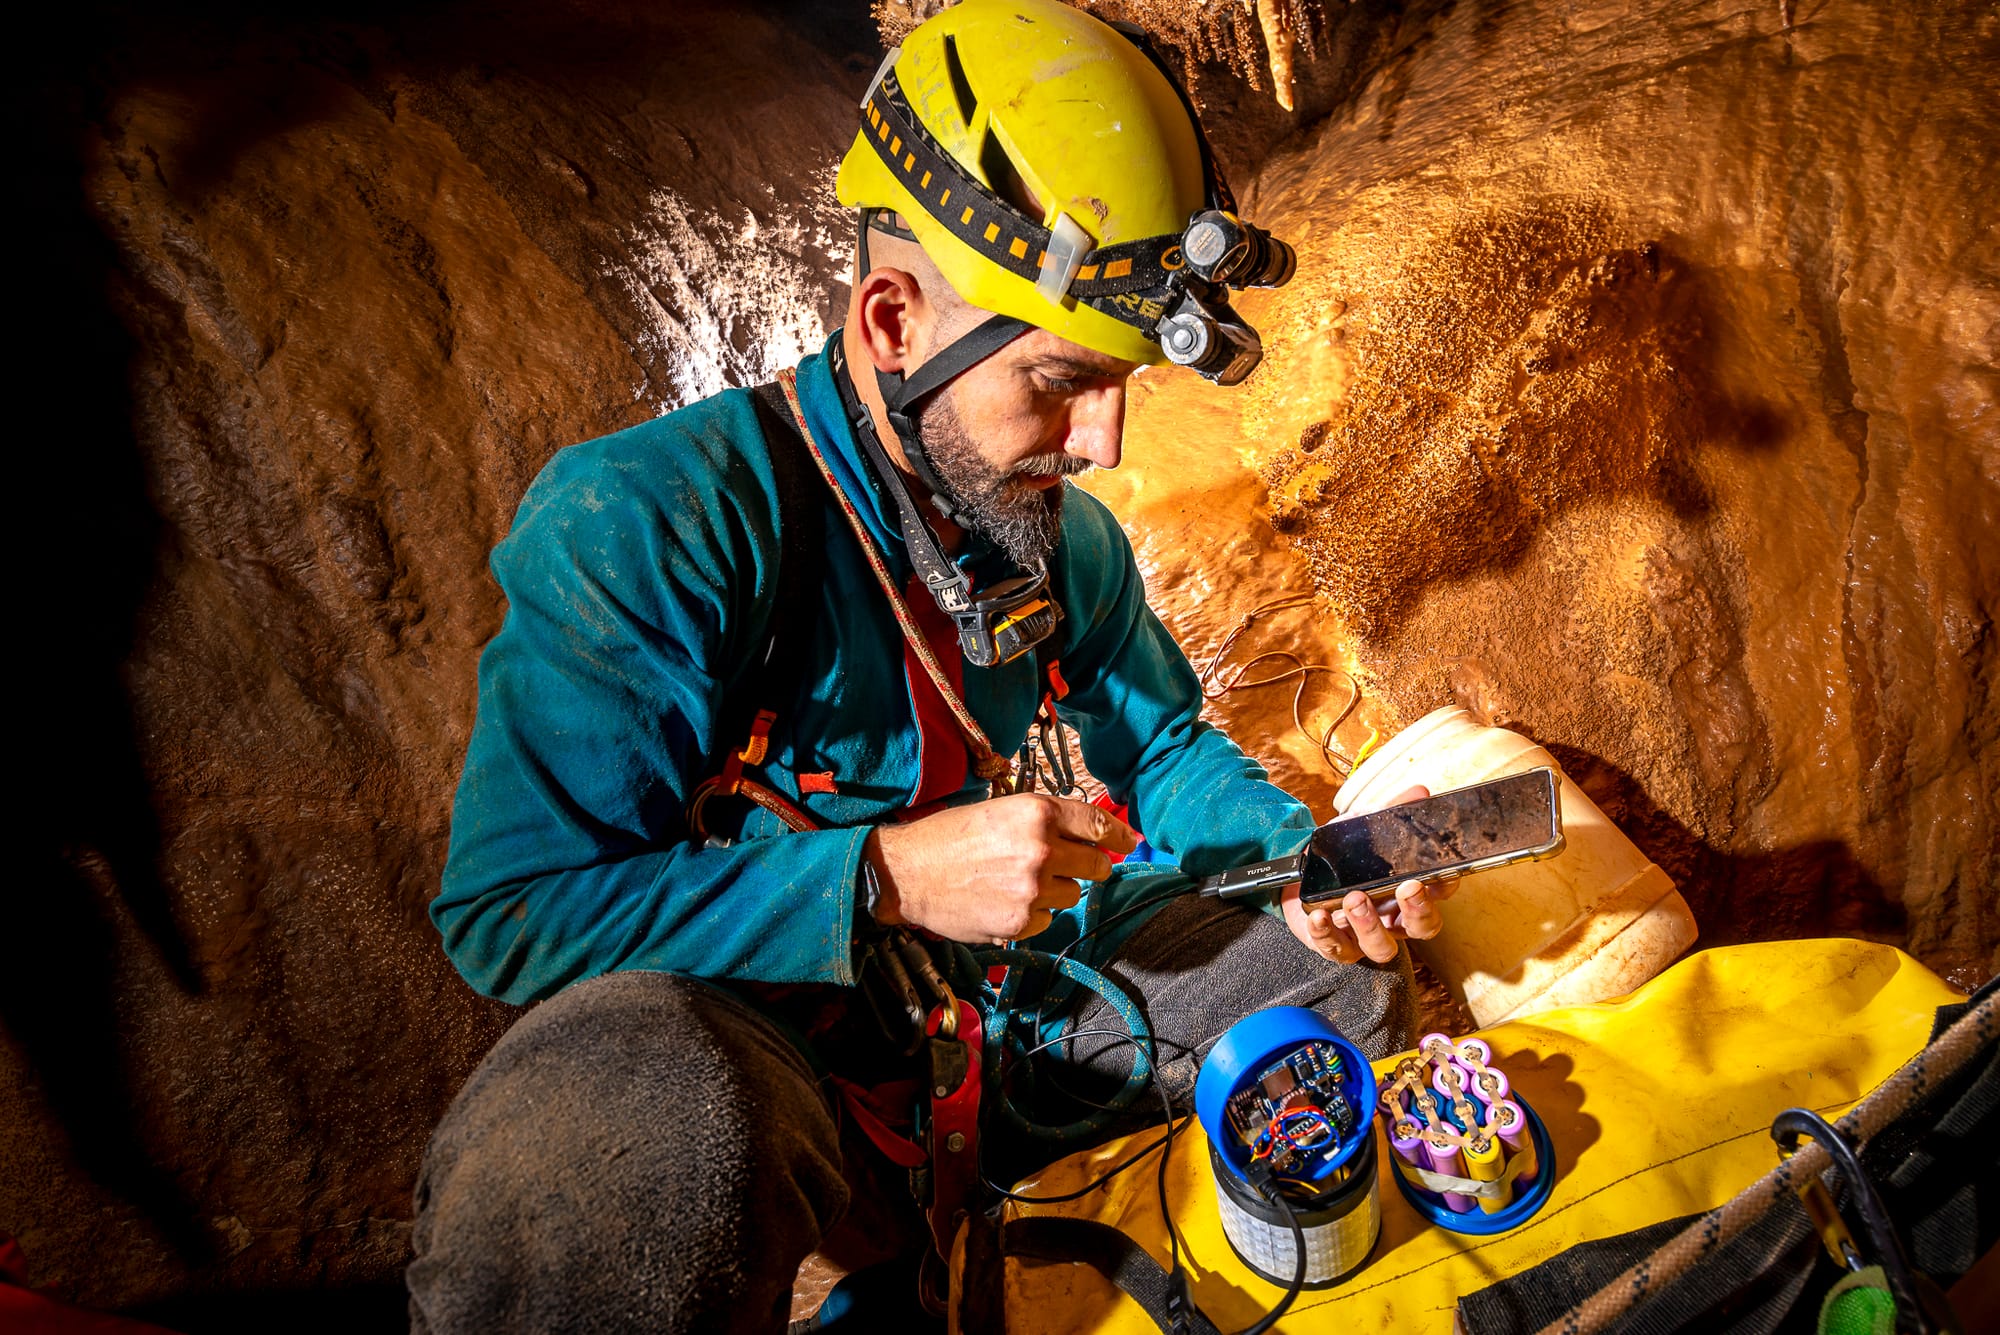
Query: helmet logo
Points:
[1146, 308]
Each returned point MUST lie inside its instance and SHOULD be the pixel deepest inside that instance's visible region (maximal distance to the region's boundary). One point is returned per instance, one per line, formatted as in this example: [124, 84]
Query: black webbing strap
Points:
[900, 395]
[951, 586]
[990, 225]
[777, 666]
[1110, 1253]
[952, 360]
[899, 398]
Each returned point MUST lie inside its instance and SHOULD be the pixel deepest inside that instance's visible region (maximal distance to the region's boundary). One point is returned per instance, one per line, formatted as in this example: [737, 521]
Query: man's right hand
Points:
[993, 871]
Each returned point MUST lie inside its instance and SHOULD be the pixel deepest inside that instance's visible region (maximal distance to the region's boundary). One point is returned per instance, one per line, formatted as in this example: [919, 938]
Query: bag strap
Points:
[1111, 1254]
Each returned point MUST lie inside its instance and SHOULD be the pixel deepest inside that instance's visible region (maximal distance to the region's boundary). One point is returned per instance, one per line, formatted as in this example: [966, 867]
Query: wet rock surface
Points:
[1636, 391]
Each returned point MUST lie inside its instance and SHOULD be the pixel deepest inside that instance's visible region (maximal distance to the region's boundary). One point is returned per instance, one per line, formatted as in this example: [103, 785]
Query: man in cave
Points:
[846, 600]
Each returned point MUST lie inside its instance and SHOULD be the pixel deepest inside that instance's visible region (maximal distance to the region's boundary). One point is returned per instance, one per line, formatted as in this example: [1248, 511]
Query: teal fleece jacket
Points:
[640, 575]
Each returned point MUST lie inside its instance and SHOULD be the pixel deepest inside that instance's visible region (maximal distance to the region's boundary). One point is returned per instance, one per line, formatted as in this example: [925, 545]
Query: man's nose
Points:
[1097, 426]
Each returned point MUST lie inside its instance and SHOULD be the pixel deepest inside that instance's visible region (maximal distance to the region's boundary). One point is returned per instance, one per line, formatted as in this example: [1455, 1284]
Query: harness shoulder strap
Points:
[776, 671]
[801, 516]
[777, 665]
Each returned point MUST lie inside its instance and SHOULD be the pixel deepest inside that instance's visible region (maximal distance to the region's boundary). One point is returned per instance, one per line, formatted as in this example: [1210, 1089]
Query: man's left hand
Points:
[1357, 927]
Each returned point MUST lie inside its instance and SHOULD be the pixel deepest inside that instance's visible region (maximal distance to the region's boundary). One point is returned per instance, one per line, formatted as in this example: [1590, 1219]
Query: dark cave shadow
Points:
[375, 1309]
[1558, 1099]
[240, 62]
[92, 837]
[93, 537]
[1809, 890]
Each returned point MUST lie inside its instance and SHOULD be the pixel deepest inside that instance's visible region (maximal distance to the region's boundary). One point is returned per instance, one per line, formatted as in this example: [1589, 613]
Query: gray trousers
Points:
[644, 1152]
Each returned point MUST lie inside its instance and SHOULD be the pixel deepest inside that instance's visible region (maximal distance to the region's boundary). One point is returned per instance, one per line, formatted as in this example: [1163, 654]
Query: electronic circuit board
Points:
[1298, 1113]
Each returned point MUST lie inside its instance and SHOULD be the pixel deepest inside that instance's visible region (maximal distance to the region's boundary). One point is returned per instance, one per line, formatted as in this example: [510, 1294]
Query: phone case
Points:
[1382, 891]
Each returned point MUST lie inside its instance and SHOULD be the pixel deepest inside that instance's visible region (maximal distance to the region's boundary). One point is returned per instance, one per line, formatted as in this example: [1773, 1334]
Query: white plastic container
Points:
[1589, 924]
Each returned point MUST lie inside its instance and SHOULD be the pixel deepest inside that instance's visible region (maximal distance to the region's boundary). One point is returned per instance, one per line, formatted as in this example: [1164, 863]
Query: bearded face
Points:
[1000, 504]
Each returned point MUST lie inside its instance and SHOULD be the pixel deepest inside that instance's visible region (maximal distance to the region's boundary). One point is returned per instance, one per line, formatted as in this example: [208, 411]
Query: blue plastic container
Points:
[1256, 1042]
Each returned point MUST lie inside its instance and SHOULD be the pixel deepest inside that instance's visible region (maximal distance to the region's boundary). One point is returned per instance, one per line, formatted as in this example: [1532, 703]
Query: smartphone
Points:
[1514, 819]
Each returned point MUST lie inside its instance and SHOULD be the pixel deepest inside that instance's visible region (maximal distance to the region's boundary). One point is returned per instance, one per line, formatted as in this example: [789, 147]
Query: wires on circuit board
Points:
[1295, 1117]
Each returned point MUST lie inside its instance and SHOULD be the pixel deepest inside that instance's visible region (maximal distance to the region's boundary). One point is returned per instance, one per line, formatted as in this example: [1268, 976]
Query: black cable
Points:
[1117, 1034]
[1177, 1272]
[1083, 1191]
[1041, 1002]
[1298, 1284]
[1177, 1279]
[1108, 1174]
[1166, 1157]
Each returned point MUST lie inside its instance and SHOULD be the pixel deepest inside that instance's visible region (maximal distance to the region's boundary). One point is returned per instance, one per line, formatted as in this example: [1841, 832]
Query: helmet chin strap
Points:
[901, 394]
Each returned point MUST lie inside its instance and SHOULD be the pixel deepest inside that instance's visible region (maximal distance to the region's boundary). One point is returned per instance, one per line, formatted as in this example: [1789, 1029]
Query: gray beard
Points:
[1018, 519]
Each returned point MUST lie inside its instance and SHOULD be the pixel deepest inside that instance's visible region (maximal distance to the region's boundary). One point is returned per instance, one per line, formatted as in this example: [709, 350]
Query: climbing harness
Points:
[927, 1124]
[986, 763]
[989, 765]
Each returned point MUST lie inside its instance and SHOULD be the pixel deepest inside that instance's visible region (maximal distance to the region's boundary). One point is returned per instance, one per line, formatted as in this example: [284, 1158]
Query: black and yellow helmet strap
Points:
[1133, 282]
[1127, 281]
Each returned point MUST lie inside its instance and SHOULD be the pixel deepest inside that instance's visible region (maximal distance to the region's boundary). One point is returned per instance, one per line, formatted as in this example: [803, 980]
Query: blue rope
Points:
[1019, 961]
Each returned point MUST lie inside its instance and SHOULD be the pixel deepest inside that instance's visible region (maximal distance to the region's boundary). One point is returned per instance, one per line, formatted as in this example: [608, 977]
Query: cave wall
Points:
[1644, 357]
[334, 290]
[1637, 391]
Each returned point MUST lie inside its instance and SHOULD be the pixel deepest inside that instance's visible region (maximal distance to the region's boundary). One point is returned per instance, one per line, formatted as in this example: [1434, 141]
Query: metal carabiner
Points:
[1920, 1308]
[1055, 750]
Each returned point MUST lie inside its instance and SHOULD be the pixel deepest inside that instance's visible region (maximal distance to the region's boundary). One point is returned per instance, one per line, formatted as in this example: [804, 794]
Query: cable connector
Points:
[1180, 1303]
[1259, 1175]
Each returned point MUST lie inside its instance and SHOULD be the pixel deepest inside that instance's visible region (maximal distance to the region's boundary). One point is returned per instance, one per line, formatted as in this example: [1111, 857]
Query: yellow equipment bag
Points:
[1659, 1105]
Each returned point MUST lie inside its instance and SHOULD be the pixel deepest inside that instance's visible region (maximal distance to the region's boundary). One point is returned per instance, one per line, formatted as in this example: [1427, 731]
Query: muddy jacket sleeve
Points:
[1136, 704]
[570, 852]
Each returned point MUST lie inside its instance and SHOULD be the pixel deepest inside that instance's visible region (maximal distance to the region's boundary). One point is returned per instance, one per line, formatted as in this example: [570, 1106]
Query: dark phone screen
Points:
[1438, 834]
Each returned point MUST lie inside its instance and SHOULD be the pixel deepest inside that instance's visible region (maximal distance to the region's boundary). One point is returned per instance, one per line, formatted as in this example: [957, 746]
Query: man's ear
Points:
[891, 308]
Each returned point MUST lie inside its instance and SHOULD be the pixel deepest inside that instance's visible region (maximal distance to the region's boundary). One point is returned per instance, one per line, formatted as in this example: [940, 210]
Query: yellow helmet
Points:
[993, 105]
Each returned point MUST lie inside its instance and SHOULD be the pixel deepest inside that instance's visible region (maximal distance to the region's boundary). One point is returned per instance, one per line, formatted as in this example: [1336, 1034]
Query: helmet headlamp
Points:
[1221, 248]
[1211, 340]
[1173, 289]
